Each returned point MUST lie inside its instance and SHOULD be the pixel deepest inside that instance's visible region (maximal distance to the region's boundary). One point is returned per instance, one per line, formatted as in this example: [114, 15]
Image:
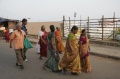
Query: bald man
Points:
[17, 38]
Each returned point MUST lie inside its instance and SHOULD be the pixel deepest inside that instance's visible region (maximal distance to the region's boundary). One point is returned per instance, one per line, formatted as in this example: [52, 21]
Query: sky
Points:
[53, 10]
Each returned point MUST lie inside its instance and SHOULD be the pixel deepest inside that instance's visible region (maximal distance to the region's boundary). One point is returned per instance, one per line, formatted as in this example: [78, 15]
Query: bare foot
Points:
[44, 68]
[88, 71]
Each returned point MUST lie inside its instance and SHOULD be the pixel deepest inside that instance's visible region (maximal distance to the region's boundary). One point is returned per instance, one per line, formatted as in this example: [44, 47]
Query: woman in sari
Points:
[84, 46]
[43, 42]
[59, 44]
[53, 59]
[71, 58]
[7, 36]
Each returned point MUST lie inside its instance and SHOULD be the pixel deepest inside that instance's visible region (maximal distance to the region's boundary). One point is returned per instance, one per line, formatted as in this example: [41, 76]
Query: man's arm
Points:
[11, 43]
[11, 39]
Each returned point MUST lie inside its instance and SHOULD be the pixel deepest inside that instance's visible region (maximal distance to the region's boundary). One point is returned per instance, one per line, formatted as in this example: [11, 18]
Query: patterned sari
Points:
[53, 59]
[43, 47]
[71, 61]
[59, 43]
[85, 61]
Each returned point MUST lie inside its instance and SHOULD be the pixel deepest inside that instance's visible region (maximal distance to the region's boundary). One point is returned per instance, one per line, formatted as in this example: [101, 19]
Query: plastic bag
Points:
[38, 48]
[27, 44]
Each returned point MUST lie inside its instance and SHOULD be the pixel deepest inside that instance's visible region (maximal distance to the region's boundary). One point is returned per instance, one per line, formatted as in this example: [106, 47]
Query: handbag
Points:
[27, 44]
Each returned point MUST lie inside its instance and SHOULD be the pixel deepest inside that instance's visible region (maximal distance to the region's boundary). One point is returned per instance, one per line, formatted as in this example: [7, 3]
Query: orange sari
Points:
[59, 43]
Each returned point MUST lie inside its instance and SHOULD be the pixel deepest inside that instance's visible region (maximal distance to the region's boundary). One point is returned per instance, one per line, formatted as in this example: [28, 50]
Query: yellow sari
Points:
[59, 43]
[71, 61]
[85, 61]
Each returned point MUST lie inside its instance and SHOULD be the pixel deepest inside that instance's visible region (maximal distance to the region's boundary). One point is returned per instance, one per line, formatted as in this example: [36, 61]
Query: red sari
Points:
[43, 46]
[84, 39]
[7, 37]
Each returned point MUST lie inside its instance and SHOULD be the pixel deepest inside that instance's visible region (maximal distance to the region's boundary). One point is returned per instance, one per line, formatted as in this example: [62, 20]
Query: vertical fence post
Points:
[102, 25]
[80, 23]
[63, 25]
[88, 28]
[114, 26]
[69, 24]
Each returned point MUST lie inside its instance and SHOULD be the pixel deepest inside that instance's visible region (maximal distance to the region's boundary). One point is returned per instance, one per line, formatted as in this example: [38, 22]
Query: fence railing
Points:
[100, 29]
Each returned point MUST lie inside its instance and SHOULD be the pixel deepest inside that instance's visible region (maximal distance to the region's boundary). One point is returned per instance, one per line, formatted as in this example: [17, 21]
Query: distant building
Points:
[35, 27]
[8, 23]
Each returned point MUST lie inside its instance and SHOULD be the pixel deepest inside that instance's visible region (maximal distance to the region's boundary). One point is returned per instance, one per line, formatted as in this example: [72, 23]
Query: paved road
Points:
[103, 68]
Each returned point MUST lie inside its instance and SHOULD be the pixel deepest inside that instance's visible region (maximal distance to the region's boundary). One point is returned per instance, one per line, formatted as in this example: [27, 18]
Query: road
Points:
[102, 68]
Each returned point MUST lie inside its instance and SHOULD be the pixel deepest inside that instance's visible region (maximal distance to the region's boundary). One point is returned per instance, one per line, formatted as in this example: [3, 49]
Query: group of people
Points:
[76, 53]
[45, 39]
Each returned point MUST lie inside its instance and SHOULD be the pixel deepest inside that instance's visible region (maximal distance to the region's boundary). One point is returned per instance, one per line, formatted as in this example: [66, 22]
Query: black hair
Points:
[42, 27]
[82, 32]
[74, 28]
[0, 23]
[52, 28]
[24, 20]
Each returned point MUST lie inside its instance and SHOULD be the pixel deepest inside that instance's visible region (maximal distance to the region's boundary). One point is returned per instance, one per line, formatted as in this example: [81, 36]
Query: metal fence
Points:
[98, 29]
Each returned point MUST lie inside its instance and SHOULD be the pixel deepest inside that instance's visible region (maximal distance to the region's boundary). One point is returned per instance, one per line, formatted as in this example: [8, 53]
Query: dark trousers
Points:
[25, 53]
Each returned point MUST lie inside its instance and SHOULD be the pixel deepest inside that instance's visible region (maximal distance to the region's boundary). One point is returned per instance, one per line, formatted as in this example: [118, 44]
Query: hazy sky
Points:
[53, 10]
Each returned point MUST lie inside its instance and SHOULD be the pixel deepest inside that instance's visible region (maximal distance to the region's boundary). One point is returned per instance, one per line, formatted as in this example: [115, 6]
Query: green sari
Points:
[53, 59]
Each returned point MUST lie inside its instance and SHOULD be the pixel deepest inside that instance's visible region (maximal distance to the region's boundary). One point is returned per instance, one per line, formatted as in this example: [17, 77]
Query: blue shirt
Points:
[24, 28]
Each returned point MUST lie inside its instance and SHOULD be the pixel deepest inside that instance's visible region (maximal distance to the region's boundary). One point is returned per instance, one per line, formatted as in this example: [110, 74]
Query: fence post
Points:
[80, 23]
[102, 26]
[114, 26]
[88, 28]
[63, 25]
[69, 25]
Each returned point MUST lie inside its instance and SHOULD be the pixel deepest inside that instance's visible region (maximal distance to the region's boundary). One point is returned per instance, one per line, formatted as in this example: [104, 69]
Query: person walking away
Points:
[24, 23]
[71, 58]
[59, 43]
[43, 42]
[7, 36]
[84, 52]
[17, 38]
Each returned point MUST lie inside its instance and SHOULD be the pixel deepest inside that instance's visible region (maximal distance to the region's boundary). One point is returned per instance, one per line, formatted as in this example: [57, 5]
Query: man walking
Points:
[17, 38]
[24, 22]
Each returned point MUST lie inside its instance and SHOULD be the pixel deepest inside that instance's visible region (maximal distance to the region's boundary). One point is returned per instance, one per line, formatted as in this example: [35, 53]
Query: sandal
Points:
[74, 73]
[44, 68]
